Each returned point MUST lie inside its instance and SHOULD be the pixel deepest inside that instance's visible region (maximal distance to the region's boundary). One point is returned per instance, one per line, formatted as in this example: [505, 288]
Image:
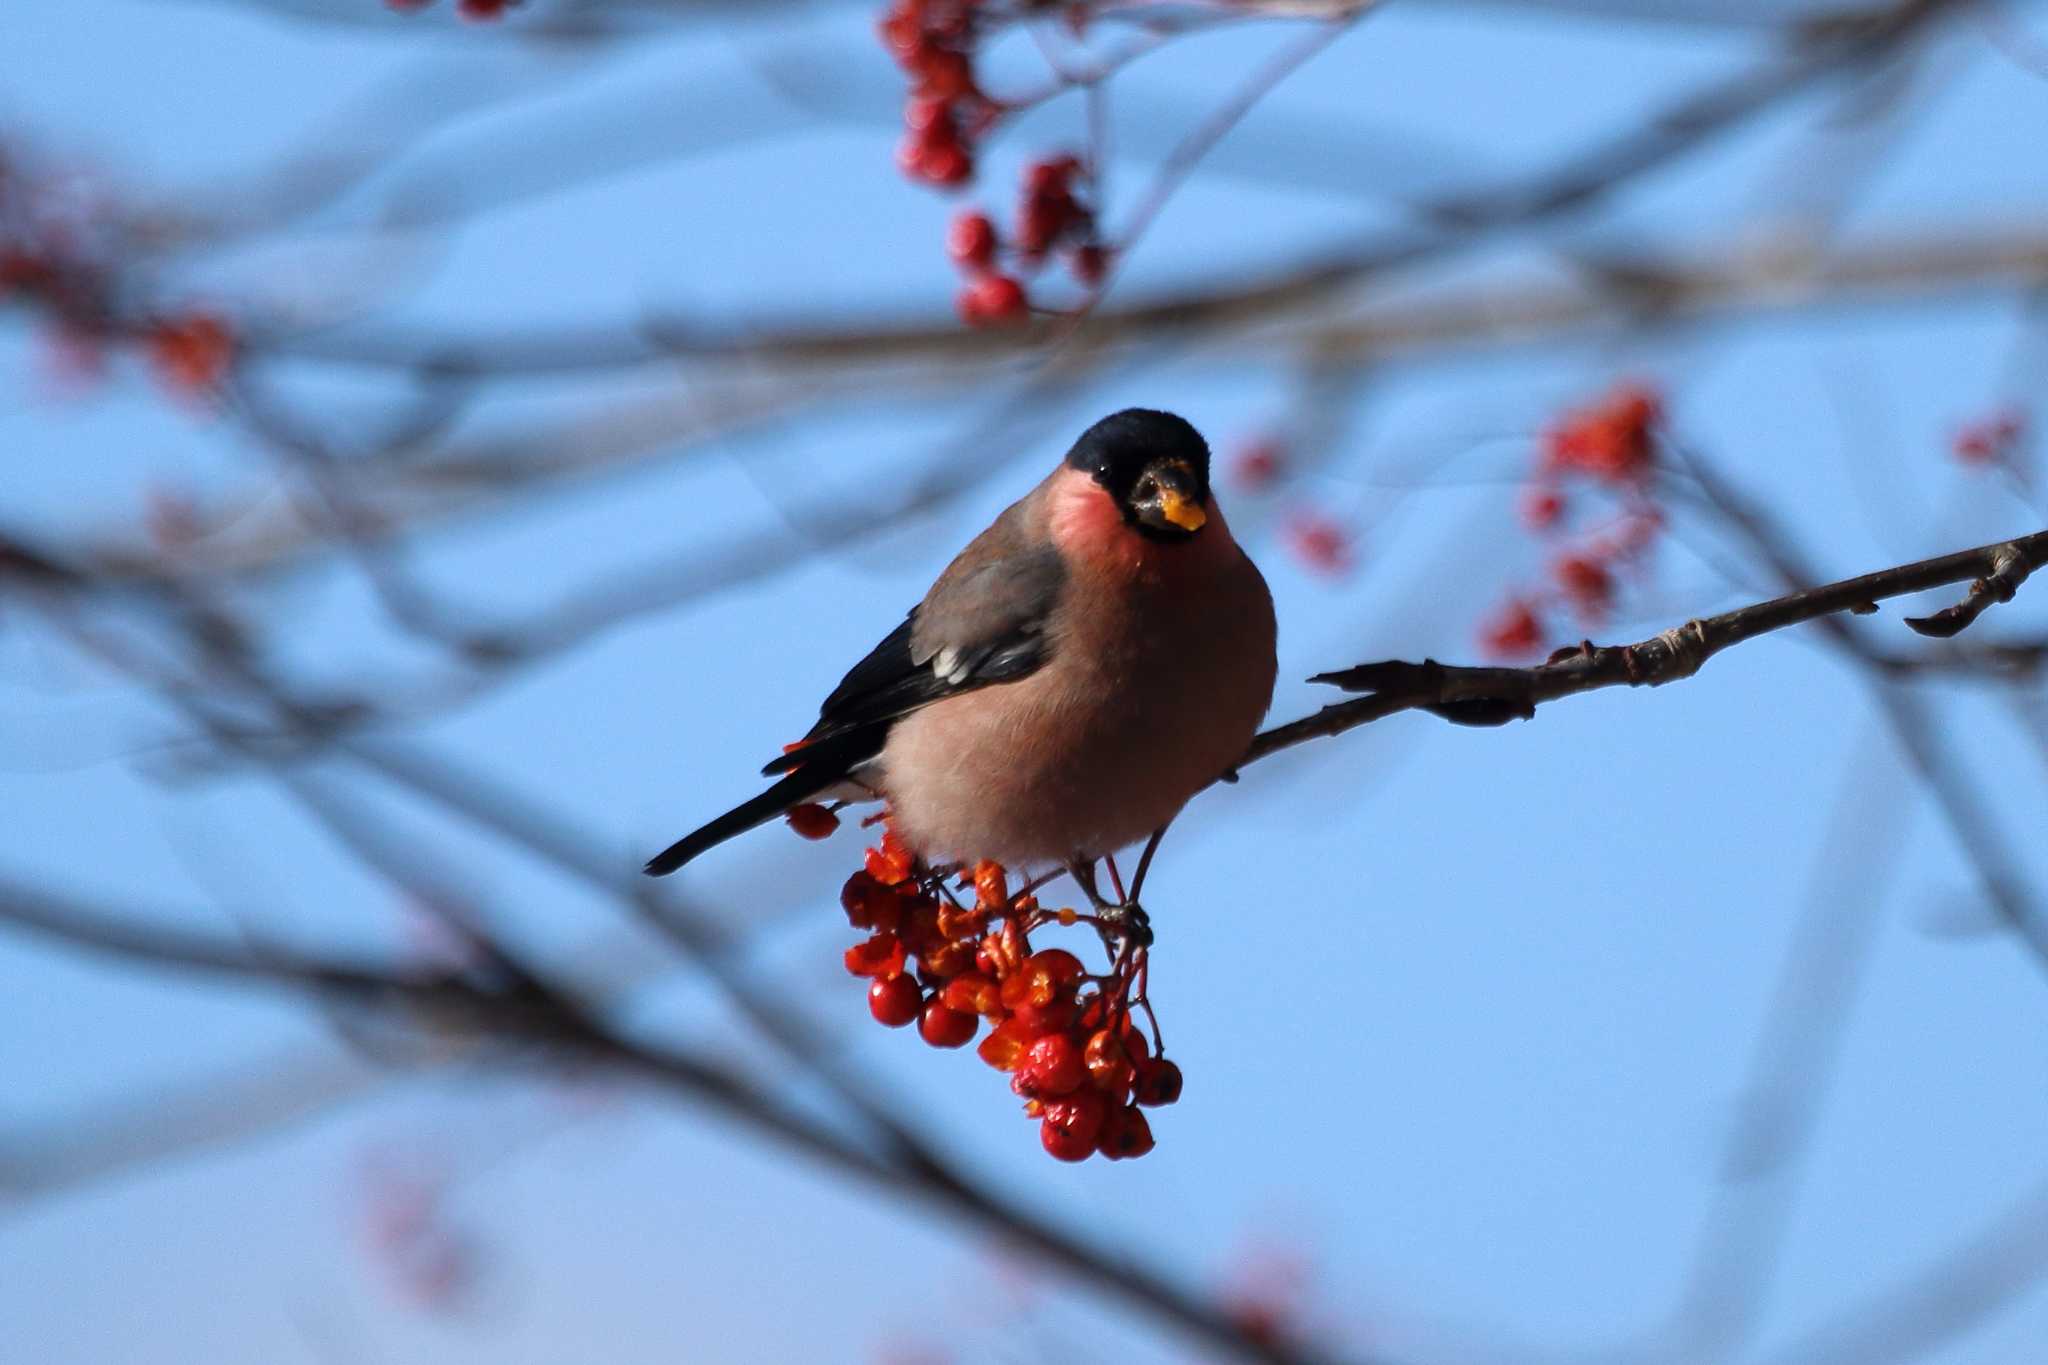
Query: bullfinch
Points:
[1102, 652]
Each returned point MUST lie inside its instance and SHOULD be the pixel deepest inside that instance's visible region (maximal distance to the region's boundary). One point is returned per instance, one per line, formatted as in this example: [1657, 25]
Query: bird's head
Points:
[1154, 466]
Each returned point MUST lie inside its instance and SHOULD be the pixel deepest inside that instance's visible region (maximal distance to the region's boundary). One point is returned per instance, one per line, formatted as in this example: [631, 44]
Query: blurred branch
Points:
[1932, 1305]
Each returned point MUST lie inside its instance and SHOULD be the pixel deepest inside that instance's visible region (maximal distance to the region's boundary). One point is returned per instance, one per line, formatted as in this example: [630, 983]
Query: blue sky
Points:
[1465, 1014]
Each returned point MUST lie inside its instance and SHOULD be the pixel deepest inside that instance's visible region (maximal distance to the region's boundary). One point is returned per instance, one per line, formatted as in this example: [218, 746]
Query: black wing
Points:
[986, 624]
[985, 621]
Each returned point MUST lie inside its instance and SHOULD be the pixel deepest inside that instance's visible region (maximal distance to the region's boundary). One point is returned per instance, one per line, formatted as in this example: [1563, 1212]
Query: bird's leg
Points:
[1114, 922]
[1082, 870]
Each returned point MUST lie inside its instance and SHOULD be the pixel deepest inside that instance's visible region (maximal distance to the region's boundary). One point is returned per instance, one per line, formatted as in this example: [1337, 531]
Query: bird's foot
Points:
[1127, 923]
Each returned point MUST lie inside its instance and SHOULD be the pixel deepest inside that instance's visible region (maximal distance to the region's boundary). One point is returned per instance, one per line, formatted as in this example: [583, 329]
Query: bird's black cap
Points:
[1118, 449]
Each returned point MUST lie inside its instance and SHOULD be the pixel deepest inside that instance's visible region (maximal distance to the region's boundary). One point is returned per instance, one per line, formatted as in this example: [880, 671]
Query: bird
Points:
[1100, 653]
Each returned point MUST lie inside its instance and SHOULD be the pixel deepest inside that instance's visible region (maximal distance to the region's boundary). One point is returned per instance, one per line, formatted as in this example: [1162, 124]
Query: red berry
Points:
[1158, 1082]
[1125, 1133]
[1052, 1065]
[1108, 1063]
[944, 73]
[192, 352]
[1541, 507]
[942, 1026]
[901, 33]
[948, 164]
[895, 1001]
[922, 114]
[483, 9]
[1321, 542]
[971, 242]
[1257, 465]
[812, 820]
[1514, 631]
[1050, 177]
[1587, 582]
[1067, 1141]
[993, 299]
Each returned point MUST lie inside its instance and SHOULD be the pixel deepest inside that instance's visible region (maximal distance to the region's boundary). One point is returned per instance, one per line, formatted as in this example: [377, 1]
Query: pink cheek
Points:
[1085, 524]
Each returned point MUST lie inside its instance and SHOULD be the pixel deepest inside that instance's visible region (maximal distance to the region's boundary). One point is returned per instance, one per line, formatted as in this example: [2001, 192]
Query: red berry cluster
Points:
[947, 113]
[1612, 439]
[1612, 443]
[191, 351]
[1991, 440]
[1052, 215]
[1067, 1038]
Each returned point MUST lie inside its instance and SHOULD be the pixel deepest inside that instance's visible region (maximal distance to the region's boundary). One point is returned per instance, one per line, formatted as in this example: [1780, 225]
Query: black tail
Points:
[788, 792]
[826, 765]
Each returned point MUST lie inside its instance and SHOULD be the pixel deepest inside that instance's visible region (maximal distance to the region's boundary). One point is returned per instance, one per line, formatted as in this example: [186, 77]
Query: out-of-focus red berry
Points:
[1612, 439]
[1319, 542]
[1257, 465]
[812, 820]
[1541, 508]
[1089, 263]
[192, 352]
[1586, 581]
[974, 993]
[1078, 1117]
[943, 1026]
[971, 241]
[891, 863]
[483, 9]
[895, 1001]
[1992, 440]
[993, 300]
[945, 74]
[1512, 632]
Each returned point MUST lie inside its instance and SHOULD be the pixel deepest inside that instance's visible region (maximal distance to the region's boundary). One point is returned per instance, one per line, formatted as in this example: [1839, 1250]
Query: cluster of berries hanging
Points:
[1992, 440]
[55, 260]
[1610, 443]
[1065, 1036]
[480, 10]
[946, 114]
